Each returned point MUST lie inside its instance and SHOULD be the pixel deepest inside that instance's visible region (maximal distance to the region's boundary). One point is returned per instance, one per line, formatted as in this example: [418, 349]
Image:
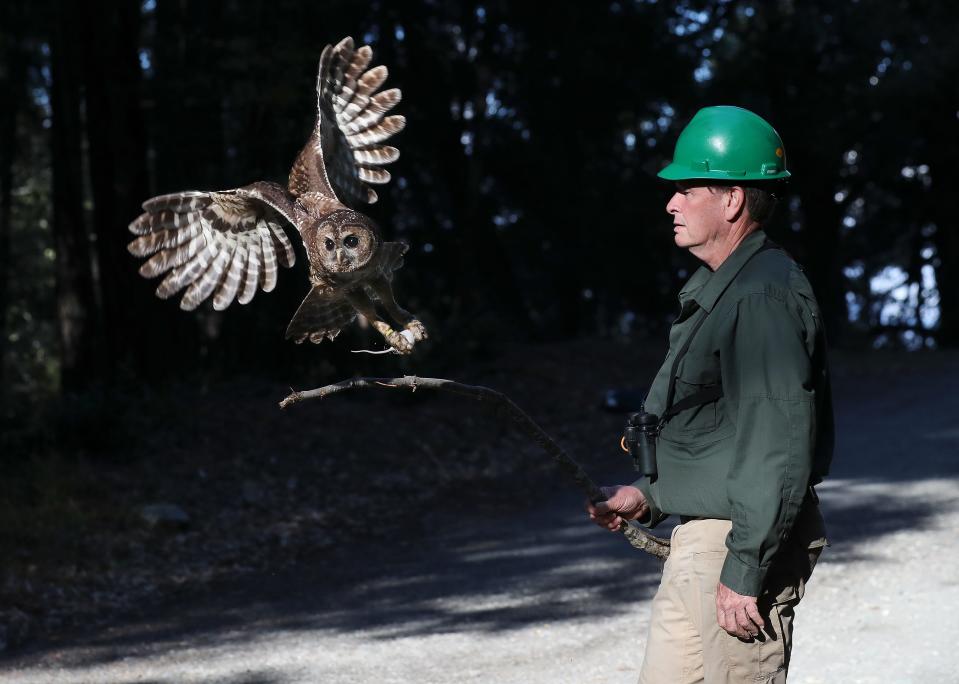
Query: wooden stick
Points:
[636, 536]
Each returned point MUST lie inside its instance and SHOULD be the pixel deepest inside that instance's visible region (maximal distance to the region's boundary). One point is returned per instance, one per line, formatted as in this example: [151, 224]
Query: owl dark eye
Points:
[351, 241]
[329, 245]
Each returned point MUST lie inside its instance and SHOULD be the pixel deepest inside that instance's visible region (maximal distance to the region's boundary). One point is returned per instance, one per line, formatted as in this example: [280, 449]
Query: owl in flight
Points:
[227, 243]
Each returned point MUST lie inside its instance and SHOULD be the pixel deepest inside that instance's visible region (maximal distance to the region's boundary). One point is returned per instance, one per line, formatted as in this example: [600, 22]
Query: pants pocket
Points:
[764, 658]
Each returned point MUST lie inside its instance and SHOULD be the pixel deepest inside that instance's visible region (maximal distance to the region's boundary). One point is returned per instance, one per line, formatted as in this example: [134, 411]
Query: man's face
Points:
[698, 216]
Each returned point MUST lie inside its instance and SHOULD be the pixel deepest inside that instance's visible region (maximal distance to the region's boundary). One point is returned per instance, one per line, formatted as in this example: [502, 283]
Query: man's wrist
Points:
[650, 515]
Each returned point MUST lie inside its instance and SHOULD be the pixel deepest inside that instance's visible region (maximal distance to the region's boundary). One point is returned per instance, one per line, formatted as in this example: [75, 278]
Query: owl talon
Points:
[417, 329]
[403, 344]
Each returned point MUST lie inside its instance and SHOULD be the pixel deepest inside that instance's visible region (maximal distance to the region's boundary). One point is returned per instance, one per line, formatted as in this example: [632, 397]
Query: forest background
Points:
[526, 189]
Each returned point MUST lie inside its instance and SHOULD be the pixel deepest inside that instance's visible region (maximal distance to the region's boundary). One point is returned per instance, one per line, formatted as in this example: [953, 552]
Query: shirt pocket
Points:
[696, 373]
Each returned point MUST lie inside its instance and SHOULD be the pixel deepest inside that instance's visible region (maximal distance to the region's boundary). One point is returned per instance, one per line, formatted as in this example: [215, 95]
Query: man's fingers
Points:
[735, 622]
[601, 518]
[599, 508]
[604, 518]
[729, 622]
[752, 611]
[744, 626]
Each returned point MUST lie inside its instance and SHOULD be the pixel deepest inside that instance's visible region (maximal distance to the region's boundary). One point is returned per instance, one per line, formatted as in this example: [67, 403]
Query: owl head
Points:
[342, 241]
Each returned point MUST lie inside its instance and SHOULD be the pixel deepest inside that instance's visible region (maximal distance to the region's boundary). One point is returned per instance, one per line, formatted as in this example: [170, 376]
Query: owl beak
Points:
[339, 257]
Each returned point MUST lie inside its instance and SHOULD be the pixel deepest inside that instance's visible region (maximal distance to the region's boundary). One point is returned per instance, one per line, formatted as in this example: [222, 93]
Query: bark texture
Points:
[76, 306]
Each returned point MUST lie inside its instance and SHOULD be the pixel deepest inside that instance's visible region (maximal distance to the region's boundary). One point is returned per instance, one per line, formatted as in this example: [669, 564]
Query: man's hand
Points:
[737, 614]
[623, 502]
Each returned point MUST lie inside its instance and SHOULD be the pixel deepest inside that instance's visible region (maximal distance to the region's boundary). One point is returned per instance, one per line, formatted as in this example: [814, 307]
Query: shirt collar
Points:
[705, 286]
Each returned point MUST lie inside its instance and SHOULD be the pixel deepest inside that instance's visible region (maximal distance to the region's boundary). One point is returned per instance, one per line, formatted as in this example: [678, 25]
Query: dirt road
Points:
[542, 596]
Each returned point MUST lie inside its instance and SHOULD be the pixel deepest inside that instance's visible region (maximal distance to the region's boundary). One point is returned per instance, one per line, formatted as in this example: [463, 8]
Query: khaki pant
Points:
[686, 645]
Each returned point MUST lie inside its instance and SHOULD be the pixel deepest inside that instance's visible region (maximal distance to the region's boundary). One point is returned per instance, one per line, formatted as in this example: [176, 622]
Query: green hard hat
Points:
[729, 144]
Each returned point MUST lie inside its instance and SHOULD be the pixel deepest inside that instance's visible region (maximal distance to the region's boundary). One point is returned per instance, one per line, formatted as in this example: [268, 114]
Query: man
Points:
[738, 459]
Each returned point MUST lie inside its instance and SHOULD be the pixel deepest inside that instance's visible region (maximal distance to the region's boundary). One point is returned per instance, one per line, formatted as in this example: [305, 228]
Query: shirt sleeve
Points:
[656, 516]
[767, 386]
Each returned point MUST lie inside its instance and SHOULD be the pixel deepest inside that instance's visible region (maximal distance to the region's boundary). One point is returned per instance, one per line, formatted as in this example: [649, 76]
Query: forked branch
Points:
[635, 535]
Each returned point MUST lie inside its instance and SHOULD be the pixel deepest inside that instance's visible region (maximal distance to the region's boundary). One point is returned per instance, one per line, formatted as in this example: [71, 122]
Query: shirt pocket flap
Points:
[699, 369]
[695, 373]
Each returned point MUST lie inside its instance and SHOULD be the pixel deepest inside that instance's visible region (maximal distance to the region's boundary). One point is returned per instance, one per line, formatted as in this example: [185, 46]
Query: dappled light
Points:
[158, 509]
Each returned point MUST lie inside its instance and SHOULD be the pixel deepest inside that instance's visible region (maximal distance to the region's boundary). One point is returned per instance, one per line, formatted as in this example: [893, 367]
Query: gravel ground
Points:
[537, 594]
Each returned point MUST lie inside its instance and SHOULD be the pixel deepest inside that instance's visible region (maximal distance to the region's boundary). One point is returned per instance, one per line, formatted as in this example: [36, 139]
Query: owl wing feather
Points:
[322, 314]
[344, 154]
[224, 243]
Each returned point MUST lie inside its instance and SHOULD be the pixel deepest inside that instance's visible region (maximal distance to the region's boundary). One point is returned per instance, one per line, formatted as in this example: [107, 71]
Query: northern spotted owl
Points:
[227, 243]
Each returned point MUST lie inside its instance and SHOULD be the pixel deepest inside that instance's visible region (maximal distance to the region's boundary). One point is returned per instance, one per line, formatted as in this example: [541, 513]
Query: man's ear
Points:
[734, 203]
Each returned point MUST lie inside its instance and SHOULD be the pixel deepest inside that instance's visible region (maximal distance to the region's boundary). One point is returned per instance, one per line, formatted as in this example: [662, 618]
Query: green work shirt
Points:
[751, 455]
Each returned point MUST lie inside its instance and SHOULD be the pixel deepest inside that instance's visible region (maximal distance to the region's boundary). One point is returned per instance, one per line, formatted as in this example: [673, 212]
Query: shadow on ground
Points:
[546, 563]
[248, 678]
[525, 568]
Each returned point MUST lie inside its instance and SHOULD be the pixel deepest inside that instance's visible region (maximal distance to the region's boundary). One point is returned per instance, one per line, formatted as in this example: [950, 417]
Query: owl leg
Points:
[362, 303]
[384, 292]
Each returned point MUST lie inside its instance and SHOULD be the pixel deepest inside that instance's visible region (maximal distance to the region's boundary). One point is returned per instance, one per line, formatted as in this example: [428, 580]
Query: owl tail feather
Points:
[321, 316]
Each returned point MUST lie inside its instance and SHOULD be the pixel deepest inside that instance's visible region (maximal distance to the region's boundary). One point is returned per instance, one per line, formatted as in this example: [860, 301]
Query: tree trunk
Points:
[75, 303]
[118, 178]
[12, 68]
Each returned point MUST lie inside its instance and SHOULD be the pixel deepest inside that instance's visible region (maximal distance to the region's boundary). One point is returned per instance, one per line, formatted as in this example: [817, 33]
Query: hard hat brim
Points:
[680, 172]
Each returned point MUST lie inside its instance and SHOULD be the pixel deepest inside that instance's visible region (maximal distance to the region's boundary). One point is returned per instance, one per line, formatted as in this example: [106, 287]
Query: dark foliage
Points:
[526, 185]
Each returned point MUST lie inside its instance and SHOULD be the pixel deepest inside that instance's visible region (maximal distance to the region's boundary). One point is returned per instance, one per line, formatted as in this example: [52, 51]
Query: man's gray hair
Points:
[760, 201]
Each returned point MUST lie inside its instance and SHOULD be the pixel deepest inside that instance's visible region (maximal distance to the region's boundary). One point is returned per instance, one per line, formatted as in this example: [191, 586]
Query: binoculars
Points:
[640, 435]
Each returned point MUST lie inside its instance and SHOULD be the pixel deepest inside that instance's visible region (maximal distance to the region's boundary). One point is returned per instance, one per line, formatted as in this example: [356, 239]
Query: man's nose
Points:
[672, 206]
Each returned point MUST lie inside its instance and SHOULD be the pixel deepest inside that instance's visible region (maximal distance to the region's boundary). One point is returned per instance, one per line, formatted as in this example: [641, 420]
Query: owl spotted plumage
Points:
[229, 243]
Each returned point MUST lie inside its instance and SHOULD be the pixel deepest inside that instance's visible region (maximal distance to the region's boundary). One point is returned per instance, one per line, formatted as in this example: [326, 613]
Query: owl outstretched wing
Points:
[225, 243]
[345, 152]
[322, 314]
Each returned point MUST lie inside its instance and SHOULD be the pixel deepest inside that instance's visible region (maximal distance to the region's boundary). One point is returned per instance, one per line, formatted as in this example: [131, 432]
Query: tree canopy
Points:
[526, 185]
